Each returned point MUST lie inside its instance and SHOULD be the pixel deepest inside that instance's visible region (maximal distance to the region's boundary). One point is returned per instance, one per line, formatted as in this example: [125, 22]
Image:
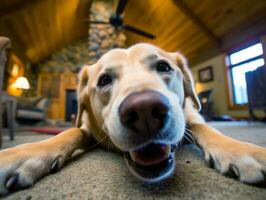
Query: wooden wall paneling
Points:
[68, 81]
[54, 110]
[54, 86]
[49, 87]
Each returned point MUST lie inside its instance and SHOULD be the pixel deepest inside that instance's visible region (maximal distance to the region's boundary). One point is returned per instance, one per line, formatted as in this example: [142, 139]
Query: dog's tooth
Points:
[173, 147]
[127, 156]
[132, 155]
[170, 159]
[168, 149]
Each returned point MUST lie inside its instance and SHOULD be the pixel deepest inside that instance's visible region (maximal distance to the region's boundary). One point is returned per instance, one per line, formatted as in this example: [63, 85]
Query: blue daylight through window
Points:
[245, 60]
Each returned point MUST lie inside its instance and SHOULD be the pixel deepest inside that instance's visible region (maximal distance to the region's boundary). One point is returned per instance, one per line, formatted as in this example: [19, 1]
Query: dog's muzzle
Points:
[146, 113]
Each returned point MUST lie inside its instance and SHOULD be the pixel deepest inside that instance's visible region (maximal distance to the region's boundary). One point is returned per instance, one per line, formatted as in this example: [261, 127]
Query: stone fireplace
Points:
[103, 37]
[64, 64]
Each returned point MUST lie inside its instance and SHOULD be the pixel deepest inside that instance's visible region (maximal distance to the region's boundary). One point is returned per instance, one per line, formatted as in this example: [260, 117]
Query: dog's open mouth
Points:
[152, 162]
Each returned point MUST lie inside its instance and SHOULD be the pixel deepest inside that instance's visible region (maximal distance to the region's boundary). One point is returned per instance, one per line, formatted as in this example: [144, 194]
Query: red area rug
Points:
[47, 130]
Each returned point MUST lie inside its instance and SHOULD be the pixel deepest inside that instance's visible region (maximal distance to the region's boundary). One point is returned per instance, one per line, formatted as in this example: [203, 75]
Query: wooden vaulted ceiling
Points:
[191, 26]
[39, 27]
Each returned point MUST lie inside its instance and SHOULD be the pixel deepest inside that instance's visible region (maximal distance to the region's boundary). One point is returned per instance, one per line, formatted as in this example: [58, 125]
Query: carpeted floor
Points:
[103, 175]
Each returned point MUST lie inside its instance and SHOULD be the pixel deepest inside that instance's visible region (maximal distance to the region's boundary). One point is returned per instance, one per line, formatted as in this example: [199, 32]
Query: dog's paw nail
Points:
[211, 161]
[127, 156]
[55, 166]
[11, 181]
[264, 174]
[234, 170]
[262, 183]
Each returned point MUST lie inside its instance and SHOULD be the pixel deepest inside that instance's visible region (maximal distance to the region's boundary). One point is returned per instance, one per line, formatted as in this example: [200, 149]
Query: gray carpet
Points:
[103, 175]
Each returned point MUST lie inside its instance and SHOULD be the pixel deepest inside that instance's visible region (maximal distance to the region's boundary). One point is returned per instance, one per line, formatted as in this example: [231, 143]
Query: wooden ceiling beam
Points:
[15, 7]
[197, 21]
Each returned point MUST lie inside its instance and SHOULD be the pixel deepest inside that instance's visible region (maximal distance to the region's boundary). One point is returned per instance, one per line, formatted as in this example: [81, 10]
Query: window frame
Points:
[229, 73]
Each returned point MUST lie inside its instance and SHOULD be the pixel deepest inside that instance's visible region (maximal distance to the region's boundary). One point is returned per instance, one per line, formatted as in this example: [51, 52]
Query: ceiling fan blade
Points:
[138, 31]
[97, 22]
[121, 7]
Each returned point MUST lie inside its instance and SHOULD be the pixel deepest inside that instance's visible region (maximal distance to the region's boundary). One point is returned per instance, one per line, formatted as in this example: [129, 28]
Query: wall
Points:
[68, 59]
[220, 94]
[219, 86]
[101, 38]
[56, 72]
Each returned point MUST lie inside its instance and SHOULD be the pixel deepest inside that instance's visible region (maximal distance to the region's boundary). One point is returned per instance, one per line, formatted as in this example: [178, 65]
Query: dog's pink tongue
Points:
[151, 154]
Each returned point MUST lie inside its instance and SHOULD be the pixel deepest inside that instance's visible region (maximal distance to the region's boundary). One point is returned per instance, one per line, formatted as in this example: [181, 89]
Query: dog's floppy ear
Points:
[188, 81]
[82, 95]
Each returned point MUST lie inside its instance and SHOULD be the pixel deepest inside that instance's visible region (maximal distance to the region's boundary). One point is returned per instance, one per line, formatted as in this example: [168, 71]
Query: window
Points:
[242, 61]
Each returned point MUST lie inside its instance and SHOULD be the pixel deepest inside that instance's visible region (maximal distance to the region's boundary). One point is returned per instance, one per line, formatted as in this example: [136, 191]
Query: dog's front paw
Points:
[240, 160]
[22, 166]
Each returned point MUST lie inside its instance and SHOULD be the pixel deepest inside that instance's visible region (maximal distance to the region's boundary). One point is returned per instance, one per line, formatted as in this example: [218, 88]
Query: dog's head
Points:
[136, 96]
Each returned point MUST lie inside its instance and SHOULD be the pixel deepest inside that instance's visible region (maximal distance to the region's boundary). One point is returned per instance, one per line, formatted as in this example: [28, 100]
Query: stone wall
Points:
[68, 59]
[101, 38]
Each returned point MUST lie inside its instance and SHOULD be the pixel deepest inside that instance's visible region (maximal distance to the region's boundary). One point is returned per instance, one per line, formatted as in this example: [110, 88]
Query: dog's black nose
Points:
[144, 111]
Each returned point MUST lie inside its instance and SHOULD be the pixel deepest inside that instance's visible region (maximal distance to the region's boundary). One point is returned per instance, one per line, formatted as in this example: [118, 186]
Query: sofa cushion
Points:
[35, 114]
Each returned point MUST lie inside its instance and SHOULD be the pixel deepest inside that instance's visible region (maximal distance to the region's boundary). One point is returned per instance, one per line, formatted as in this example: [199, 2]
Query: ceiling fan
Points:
[116, 20]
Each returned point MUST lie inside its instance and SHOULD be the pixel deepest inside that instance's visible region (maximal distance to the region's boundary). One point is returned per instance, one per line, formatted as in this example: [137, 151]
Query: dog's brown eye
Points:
[104, 80]
[163, 67]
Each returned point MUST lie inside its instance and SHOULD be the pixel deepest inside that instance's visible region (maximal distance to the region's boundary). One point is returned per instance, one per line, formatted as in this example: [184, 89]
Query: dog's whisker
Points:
[109, 140]
[187, 129]
[96, 144]
[187, 81]
[192, 138]
[189, 132]
[189, 135]
[189, 138]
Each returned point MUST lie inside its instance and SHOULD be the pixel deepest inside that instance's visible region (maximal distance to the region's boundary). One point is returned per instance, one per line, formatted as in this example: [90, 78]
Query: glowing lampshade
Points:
[21, 83]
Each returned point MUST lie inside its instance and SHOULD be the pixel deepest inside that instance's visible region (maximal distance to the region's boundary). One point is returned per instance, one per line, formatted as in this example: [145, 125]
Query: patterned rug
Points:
[47, 130]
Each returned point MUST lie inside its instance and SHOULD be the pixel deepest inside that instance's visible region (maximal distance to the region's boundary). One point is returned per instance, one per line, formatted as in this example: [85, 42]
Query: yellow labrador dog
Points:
[140, 98]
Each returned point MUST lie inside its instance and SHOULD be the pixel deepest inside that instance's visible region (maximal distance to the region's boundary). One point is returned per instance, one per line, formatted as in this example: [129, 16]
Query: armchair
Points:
[32, 110]
[4, 44]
